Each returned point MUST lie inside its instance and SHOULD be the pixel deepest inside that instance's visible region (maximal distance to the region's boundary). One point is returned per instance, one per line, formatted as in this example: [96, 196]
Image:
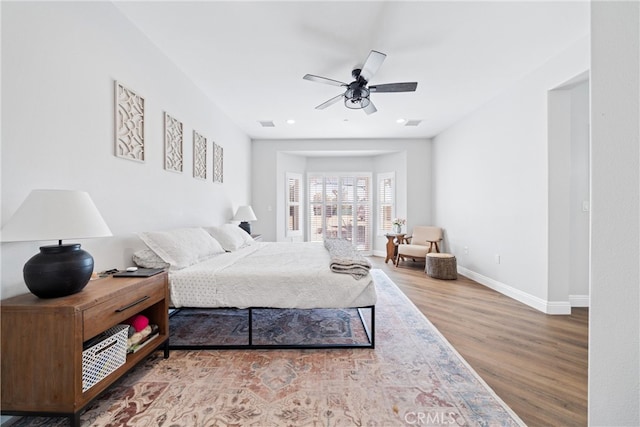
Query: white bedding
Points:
[270, 274]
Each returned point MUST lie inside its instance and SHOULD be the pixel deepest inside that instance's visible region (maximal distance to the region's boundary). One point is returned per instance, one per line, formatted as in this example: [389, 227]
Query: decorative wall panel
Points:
[129, 132]
[217, 163]
[172, 143]
[199, 156]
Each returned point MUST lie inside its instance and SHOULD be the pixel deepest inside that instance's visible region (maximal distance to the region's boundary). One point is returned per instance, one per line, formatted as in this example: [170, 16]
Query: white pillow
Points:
[182, 247]
[231, 237]
[146, 258]
[248, 240]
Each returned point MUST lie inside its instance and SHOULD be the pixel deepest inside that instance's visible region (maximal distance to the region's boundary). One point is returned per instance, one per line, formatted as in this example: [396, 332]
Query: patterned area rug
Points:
[412, 377]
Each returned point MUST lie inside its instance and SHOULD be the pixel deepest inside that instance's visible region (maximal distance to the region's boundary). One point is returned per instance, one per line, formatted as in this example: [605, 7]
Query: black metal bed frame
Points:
[370, 332]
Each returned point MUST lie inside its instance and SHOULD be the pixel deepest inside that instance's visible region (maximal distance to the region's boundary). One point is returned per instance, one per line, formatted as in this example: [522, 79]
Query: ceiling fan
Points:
[356, 95]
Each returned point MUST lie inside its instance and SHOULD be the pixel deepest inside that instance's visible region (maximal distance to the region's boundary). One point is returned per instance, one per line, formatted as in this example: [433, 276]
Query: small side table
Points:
[393, 240]
[441, 266]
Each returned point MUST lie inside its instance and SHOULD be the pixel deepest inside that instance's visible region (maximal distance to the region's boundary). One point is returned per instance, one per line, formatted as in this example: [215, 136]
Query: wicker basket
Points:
[104, 357]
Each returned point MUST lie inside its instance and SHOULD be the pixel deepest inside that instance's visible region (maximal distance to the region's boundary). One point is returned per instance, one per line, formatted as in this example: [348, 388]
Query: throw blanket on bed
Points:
[346, 259]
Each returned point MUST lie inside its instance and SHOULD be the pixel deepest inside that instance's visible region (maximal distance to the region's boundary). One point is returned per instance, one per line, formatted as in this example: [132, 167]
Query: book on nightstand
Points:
[141, 272]
[137, 347]
[145, 340]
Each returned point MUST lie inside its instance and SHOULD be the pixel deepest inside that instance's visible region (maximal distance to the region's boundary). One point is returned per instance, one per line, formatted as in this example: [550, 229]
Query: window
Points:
[293, 208]
[386, 201]
[340, 206]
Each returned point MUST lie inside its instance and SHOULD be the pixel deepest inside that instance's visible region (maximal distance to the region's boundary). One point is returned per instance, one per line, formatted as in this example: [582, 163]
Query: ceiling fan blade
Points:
[395, 87]
[372, 64]
[324, 80]
[370, 109]
[330, 102]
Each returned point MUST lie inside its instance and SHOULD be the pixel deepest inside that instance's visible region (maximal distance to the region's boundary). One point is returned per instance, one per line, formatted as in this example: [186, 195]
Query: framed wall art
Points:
[218, 161]
[199, 156]
[172, 143]
[129, 126]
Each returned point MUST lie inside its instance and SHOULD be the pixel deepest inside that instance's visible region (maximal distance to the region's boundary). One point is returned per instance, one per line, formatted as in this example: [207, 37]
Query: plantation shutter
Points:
[316, 207]
[294, 206]
[362, 214]
[386, 202]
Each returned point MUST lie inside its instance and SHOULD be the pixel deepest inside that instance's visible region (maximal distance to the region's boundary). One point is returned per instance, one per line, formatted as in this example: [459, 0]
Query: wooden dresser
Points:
[42, 342]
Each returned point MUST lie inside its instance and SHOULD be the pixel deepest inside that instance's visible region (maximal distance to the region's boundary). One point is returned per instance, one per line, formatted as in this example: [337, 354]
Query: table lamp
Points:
[62, 269]
[244, 214]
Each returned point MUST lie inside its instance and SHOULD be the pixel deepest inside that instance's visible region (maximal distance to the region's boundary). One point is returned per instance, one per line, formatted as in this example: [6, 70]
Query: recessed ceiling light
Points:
[291, 121]
[401, 120]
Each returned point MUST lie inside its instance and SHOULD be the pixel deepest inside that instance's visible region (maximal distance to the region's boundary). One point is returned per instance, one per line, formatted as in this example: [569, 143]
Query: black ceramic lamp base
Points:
[245, 226]
[58, 270]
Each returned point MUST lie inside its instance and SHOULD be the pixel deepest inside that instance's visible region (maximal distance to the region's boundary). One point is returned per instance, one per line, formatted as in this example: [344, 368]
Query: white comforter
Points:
[277, 275]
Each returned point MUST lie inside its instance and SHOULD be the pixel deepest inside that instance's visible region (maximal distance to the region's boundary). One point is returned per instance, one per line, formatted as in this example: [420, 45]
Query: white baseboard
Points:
[547, 307]
[580, 300]
[382, 254]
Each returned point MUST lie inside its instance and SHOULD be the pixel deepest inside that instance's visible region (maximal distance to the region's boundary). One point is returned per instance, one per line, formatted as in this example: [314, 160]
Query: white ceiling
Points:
[249, 57]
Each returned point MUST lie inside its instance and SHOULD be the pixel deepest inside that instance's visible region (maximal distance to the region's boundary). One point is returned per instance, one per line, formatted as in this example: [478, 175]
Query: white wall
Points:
[341, 164]
[614, 316]
[491, 184]
[59, 63]
[409, 158]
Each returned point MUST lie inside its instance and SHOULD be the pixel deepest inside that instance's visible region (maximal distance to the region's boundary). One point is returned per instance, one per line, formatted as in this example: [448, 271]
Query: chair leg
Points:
[432, 246]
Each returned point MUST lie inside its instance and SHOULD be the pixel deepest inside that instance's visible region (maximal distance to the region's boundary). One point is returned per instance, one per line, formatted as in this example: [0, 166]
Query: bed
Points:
[222, 267]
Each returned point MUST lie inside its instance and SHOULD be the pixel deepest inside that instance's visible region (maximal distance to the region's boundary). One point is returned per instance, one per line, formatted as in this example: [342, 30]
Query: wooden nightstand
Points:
[42, 342]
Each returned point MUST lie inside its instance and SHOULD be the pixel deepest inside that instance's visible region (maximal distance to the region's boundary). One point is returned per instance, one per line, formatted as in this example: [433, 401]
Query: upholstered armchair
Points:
[423, 240]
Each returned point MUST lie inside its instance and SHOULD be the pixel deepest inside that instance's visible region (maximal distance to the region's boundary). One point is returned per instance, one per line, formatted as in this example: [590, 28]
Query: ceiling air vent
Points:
[267, 124]
[413, 122]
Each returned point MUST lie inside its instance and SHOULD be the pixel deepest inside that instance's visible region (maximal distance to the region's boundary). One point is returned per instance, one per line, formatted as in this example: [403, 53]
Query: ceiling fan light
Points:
[349, 94]
[356, 103]
[352, 104]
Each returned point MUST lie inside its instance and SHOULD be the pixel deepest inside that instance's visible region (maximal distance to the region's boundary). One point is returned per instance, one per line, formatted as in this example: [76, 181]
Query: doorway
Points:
[569, 193]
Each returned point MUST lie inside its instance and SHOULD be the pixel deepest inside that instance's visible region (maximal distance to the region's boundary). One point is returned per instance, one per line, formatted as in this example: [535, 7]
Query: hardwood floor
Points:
[536, 363]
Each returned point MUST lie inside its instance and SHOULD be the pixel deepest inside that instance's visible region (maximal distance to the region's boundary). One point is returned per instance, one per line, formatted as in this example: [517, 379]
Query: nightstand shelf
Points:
[42, 342]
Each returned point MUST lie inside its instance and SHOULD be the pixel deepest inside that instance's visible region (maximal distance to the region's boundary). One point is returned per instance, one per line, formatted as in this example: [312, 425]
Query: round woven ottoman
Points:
[441, 266]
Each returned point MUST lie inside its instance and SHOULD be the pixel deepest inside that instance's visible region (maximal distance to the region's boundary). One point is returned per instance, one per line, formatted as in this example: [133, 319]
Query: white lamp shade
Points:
[245, 213]
[55, 215]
